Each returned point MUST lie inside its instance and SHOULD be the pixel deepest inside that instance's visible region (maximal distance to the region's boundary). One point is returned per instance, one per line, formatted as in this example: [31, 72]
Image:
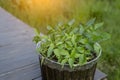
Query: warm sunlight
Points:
[68, 37]
[47, 4]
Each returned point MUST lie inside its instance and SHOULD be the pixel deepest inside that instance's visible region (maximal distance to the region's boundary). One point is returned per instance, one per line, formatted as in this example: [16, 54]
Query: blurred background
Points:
[40, 13]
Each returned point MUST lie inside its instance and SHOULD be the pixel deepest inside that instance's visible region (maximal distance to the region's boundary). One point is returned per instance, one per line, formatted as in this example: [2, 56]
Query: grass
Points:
[38, 15]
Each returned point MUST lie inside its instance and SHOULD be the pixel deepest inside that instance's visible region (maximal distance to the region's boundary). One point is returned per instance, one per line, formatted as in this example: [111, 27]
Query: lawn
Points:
[41, 13]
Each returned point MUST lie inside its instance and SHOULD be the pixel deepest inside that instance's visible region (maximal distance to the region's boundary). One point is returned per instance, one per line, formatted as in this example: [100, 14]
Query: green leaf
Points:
[59, 43]
[91, 29]
[36, 39]
[73, 53]
[37, 33]
[71, 62]
[83, 41]
[87, 52]
[77, 55]
[81, 29]
[63, 62]
[49, 28]
[75, 30]
[82, 59]
[68, 47]
[61, 46]
[71, 22]
[80, 49]
[105, 36]
[97, 48]
[73, 39]
[59, 52]
[89, 47]
[98, 25]
[42, 60]
[78, 37]
[69, 43]
[91, 22]
[50, 50]
[64, 52]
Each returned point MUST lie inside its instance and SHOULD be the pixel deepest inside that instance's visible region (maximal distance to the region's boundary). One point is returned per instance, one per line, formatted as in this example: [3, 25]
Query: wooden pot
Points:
[51, 70]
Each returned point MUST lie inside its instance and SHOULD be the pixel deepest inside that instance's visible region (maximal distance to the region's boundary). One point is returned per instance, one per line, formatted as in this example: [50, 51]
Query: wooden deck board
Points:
[24, 73]
[100, 75]
[18, 58]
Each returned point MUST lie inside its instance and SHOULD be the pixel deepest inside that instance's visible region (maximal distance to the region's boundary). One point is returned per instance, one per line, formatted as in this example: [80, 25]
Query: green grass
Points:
[107, 11]
[39, 16]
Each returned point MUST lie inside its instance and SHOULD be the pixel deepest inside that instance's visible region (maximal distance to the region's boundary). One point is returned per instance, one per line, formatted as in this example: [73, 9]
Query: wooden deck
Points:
[18, 58]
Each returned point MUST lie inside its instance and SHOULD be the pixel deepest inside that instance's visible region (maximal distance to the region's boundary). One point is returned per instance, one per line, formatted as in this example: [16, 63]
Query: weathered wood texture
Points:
[18, 60]
[98, 76]
[54, 74]
[49, 73]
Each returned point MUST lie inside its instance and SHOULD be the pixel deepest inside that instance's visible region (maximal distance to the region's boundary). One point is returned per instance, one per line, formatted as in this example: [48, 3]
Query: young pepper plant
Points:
[71, 44]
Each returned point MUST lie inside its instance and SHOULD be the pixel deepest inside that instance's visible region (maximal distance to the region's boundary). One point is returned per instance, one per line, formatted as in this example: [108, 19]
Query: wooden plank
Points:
[15, 36]
[16, 62]
[7, 18]
[18, 58]
[16, 45]
[13, 42]
[39, 78]
[24, 48]
[100, 75]
[25, 73]
[12, 33]
[14, 53]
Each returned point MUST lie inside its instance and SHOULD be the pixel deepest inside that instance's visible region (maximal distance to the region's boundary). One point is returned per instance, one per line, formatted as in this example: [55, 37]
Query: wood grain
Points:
[18, 58]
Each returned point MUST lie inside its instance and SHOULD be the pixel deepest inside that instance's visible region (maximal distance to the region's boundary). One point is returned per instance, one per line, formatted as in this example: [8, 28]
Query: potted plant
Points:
[70, 51]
